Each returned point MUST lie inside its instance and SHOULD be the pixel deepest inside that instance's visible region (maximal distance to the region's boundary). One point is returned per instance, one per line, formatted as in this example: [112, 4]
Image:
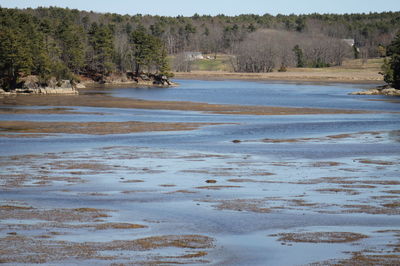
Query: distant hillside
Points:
[201, 32]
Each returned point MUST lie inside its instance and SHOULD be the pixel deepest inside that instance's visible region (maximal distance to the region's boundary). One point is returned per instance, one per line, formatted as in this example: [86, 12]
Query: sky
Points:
[214, 7]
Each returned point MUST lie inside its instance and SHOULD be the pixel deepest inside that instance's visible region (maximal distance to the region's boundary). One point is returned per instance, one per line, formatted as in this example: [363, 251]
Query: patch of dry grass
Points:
[93, 128]
[23, 249]
[378, 162]
[320, 237]
[217, 187]
[358, 258]
[115, 102]
[369, 209]
[338, 190]
[56, 215]
[249, 205]
[105, 226]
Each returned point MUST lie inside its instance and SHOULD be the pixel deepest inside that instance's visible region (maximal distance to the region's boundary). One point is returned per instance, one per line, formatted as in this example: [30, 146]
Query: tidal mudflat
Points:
[267, 182]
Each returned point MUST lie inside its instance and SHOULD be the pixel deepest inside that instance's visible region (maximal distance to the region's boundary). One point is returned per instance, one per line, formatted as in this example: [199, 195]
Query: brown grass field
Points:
[352, 71]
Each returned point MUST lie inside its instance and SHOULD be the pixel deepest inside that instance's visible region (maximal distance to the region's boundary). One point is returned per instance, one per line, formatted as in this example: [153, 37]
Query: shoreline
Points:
[108, 101]
[292, 75]
[91, 128]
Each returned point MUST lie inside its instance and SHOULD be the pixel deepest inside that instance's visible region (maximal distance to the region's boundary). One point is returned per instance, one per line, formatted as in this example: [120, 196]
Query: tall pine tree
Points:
[391, 67]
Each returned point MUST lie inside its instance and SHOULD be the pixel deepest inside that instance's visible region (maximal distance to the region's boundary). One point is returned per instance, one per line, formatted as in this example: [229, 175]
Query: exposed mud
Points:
[47, 251]
[59, 110]
[338, 190]
[52, 215]
[115, 102]
[119, 226]
[378, 162]
[248, 205]
[370, 137]
[359, 258]
[388, 209]
[217, 187]
[93, 128]
[320, 237]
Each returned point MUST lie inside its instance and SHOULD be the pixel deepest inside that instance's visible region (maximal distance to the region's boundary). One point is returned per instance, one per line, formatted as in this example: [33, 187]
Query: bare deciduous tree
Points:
[182, 63]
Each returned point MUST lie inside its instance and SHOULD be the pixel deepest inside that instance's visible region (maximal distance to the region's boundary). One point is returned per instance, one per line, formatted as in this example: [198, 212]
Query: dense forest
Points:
[66, 43]
[391, 66]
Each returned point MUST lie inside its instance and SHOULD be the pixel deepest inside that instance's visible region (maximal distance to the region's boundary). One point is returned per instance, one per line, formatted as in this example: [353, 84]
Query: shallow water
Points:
[328, 173]
[264, 93]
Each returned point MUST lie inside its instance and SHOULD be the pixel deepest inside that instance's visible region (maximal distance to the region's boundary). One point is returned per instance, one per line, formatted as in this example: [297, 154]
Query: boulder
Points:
[161, 80]
[30, 82]
[144, 77]
[391, 92]
[80, 86]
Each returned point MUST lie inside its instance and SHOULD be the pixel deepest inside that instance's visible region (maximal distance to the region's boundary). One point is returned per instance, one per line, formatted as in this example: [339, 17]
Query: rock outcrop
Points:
[381, 90]
[31, 85]
[140, 80]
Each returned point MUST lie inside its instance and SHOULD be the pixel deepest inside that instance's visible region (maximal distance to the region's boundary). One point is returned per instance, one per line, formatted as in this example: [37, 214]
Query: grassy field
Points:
[221, 63]
[354, 70]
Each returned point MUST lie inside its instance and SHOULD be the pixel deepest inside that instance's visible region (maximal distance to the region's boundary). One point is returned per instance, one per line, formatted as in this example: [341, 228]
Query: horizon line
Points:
[202, 15]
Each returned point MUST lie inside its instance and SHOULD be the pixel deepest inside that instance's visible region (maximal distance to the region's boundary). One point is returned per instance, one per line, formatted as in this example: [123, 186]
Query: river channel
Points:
[239, 189]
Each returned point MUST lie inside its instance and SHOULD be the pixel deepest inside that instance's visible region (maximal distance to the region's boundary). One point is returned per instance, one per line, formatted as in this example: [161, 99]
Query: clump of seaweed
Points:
[320, 237]
[45, 250]
[119, 226]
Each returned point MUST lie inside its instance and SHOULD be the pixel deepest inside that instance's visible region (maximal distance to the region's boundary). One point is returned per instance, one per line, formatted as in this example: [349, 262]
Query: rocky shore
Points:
[92, 79]
[141, 79]
[31, 84]
[381, 90]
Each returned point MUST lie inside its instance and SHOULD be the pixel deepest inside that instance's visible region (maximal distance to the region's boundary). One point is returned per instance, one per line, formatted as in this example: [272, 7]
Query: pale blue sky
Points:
[214, 7]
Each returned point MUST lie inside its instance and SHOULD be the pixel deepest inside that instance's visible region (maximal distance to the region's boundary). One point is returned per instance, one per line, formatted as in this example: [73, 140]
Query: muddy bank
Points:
[307, 74]
[115, 102]
[60, 110]
[93, 128]
[370, 137]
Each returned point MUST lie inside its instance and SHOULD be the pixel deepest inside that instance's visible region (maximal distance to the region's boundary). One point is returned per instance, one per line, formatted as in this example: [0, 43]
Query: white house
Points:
[350, 42]
[191, 56]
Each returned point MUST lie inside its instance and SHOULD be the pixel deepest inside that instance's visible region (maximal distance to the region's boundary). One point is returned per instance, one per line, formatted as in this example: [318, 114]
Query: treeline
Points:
[391, 66]
[265, 50]
[63, 42]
